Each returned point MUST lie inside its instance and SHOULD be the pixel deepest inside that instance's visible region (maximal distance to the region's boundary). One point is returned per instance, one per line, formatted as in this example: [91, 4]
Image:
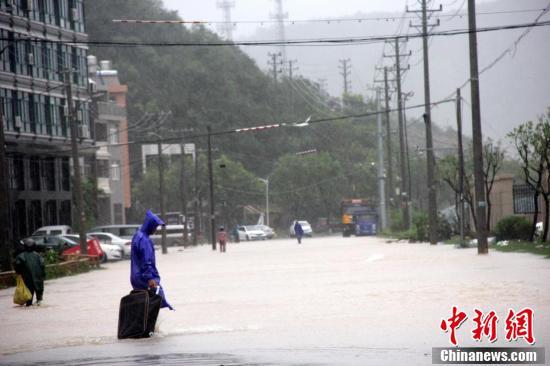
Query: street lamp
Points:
[161, 189]
[266, 182]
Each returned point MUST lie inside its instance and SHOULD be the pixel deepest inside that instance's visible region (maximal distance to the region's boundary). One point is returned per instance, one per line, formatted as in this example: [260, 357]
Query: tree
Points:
[308, 186]
[448, 170]
[532, 141]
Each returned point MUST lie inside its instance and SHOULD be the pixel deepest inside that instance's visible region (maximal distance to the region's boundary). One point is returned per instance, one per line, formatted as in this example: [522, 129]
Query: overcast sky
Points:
[246, 10]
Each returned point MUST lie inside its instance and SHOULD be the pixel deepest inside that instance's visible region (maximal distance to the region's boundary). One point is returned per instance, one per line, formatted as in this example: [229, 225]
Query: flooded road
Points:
[329, 301]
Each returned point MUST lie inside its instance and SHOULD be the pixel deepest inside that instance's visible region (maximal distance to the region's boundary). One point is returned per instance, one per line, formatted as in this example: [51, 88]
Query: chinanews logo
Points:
[517, 326]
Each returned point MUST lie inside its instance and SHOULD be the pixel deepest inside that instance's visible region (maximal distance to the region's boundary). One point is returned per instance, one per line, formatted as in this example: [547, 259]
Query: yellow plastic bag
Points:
[22, 293]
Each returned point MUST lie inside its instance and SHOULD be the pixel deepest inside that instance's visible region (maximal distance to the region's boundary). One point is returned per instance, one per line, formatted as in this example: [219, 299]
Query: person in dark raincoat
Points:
[298, 231]
[30, 265]
[143, 273]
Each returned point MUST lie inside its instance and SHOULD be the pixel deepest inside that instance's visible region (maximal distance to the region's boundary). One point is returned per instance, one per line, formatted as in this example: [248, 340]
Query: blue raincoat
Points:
[143, 263]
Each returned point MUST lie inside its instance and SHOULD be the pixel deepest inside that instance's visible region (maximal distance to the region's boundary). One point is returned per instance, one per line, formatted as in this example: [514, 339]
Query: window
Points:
[103, 169]
[20, 218]
[50, 213]
[17, 173]
[65, 213]
[113, 135]
[101, 132]
[65, 175]
[34, 168]
[7, 108]
[35, 215]
[48, 169]
[6, 46]
[115, 170]
[117, 208]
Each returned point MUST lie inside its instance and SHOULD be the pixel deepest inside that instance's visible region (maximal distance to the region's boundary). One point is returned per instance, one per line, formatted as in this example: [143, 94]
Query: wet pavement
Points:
[329, 301]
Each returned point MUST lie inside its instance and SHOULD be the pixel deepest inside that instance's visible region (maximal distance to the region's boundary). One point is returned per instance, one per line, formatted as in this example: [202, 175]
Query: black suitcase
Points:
[138, 314]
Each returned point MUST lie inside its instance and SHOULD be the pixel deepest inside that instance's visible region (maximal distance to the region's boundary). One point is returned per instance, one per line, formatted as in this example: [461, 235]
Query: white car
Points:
[251, 232]
[306, 227]
[112, 252]
[53, 230]
[108, 238]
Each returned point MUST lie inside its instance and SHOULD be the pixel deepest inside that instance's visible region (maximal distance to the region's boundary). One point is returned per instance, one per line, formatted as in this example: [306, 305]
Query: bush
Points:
[444, 229]
[421, 227]
[513, 227]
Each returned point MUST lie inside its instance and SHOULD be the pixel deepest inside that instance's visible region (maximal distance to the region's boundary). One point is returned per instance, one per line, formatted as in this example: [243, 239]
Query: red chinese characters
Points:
[485, 326]
[520, 325]
[453, 323]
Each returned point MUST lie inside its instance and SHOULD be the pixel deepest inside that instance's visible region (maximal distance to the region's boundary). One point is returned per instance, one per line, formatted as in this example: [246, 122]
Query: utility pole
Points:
[430, 161]
[227, 26]
[76, 165]
[211, 183]
[381, 178]
[196, 218]
[480, 199]
[291, 68]
[161, 192]
[274, 64]
[461, 164]
[403, 197]
[280, 17]
[391, 189]
[345, 67]
[5, 237]
[405, 97]
[432, 204]
[404, 194]
[389, 182]
[183, 194]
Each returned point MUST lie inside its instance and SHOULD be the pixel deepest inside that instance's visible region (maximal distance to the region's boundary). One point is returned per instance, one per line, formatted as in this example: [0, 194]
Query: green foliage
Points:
[61, 270]
[513, 227]
[51, 257]
[308, 186]
[421, 227]
[396, 220]
[525, 247]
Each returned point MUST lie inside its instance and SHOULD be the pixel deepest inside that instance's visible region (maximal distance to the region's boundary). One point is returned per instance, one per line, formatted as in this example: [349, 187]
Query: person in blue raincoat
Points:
[298, 231]
[144, 274]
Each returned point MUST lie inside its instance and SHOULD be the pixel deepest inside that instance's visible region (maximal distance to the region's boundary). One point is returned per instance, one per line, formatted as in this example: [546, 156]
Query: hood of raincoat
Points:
[150, 223]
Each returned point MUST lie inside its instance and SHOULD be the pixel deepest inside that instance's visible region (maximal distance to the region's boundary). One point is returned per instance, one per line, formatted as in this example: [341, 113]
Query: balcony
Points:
[111, 111]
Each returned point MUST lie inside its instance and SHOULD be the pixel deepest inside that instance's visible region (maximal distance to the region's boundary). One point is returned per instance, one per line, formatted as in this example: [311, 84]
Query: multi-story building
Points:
[38, 50]
[111, 133]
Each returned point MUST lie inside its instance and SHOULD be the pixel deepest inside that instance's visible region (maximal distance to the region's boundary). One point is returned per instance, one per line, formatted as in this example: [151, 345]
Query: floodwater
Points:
[329, 301]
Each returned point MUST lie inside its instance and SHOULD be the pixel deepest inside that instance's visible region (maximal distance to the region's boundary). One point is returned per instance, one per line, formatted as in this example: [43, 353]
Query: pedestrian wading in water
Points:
[222, 238]
[30, 265]
[298, 231]
[144, 274]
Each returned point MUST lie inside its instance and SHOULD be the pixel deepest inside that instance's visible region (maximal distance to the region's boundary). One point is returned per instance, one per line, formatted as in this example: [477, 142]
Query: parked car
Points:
[122, 231]
[251, 232]
[306, 227]
[108, 238]
[94, 248]
[53, 242]
[269, 232]
[53, 230]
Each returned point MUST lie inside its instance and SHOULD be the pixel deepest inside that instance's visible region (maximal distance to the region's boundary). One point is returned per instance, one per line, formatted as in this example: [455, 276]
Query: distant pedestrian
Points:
[298, 231]
[222, 238]
[30, 265]
[144, 274]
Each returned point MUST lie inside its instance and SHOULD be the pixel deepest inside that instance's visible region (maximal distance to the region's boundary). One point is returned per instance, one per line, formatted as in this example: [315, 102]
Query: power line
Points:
[301, 42]
[329, 21]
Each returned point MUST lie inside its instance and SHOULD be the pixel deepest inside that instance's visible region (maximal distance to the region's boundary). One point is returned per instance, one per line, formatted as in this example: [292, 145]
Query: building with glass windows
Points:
[37, 53]
[111, 134]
